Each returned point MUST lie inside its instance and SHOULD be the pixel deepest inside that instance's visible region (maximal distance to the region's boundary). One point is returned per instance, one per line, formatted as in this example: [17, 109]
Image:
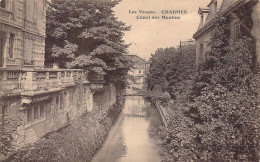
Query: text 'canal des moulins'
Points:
[162, 14]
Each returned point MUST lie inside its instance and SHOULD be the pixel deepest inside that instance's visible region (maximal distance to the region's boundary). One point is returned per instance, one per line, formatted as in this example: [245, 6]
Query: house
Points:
[249, 22]
[40, 99]
[137, 74]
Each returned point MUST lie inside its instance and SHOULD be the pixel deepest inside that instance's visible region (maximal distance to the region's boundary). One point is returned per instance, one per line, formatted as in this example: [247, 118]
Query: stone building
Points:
[40, 99]
[229, 8]
[22, 33]
[137, 74]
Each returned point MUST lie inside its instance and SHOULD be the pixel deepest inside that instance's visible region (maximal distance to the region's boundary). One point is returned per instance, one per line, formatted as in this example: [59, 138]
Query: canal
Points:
[131, 139]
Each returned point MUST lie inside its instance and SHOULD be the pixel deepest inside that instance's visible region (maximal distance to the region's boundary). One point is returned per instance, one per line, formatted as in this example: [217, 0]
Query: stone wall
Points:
[202, 47]
[58, 110]
[79, 141]
[55, 110]
[104, 99]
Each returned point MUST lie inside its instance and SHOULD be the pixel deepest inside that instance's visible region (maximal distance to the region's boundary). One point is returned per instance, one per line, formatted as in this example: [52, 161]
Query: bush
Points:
[217, 117]
[78, 141]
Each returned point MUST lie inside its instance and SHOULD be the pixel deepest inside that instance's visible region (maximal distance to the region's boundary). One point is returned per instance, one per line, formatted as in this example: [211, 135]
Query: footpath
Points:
[163, 112]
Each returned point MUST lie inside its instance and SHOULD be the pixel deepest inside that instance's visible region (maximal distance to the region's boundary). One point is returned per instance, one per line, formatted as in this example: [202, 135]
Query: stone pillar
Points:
[27, 81]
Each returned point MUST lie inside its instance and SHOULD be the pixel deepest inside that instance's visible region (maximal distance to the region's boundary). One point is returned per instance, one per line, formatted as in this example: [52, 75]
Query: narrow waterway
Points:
[131, 138]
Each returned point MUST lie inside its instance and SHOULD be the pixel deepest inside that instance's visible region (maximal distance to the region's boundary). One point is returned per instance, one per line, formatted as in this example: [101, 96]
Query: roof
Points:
[225, 7]
[136, 59]
[225, 4]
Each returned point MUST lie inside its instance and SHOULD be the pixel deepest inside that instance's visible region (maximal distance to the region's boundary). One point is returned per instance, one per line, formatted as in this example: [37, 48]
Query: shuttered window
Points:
[29, 115]
[3, 3]
[28, 54]
[30, 13]
[11, 46]
[2, 43]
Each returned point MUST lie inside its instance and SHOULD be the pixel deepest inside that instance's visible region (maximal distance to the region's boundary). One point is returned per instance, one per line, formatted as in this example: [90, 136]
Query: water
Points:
[131, 138]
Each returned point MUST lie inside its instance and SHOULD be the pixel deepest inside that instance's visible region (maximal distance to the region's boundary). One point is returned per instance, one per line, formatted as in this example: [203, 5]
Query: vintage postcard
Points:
[129, 80]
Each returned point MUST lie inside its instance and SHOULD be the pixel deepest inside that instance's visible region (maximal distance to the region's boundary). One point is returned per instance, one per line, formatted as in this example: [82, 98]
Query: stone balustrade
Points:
[14, 81]
[96, 81]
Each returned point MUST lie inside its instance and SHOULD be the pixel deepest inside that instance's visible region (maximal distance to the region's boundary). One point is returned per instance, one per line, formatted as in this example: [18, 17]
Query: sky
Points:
[147, 35]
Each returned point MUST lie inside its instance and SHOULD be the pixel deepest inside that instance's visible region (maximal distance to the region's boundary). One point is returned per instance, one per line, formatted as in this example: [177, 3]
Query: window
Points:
[2, 43]
[36, 113]
[237, 31]
[61, 101]
[57, 100]
[201, 50]
[28, 51]
[202, 19]
[42, 110]
[3, 3]
[39, 6]
[29, 115]
[215, 7]
[30, 13]
[11, 46]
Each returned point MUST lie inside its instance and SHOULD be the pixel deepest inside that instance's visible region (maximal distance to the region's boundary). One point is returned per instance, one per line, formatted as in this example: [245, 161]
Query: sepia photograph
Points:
[130, 80]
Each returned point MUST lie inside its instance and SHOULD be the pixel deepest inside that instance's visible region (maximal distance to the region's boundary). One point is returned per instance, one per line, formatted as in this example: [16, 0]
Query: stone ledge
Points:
[34, 93]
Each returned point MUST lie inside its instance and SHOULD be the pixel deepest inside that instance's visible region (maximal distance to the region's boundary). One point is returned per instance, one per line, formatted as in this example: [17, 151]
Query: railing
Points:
[53, 75]
[62, 74]
[68, 74]
[13, 75]
[41, 75]
[14, 81]
[96, 81]
[95, 78]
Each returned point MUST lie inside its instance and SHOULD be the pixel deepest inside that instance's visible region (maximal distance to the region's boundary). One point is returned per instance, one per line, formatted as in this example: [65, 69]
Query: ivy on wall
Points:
[221, 120]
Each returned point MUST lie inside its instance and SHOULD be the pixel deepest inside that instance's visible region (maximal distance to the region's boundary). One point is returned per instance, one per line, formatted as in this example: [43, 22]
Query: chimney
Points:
[203, 12]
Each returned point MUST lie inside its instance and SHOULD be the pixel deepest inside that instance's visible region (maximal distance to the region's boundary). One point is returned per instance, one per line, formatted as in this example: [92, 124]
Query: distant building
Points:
[228, 8]
[137, 74]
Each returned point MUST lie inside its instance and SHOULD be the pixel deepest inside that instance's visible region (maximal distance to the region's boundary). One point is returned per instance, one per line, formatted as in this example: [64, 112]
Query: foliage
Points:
[85, 34]
[78, 141]
[170, 67]
[215, 114]
[8, 131]
[175, 68]
[225, 112]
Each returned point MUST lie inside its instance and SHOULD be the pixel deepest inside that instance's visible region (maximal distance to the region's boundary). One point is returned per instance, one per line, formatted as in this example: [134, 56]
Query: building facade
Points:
[22, 33]
[228, 8]
[137, 74]
[34, 99]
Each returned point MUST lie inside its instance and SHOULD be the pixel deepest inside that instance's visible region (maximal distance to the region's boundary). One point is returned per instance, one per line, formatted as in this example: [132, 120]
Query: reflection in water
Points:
[129, 139]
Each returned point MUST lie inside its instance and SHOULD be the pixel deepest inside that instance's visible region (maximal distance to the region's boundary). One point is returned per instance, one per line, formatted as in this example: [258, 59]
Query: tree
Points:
[214, 115]
[162, 67]
[86, 34]
[171, 68]
[224, 110]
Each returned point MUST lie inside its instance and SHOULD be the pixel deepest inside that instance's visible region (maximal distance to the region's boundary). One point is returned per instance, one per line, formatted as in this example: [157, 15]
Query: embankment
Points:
[161, 111]
[78, 141]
